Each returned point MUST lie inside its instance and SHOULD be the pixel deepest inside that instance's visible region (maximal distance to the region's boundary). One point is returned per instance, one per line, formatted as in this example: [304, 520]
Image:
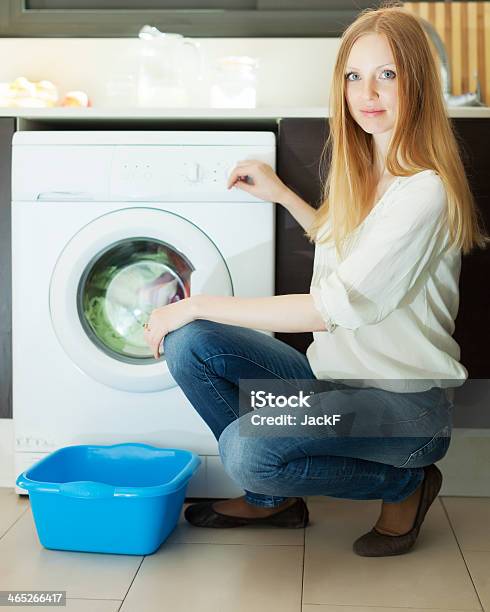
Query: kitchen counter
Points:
[197, 113]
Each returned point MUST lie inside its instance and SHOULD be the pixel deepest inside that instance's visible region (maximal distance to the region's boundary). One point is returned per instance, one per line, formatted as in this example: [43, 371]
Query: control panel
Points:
[133, 165]
[179, 173]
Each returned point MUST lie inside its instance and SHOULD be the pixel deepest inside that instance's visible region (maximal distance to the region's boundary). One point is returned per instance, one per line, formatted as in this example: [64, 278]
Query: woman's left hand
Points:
[166, 319]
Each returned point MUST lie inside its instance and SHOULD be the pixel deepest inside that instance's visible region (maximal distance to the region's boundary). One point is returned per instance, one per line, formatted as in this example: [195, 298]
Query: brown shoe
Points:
[202, 514]
[376, 544]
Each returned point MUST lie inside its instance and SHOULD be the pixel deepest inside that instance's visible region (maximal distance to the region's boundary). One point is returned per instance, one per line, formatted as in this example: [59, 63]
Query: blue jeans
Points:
[207, 359]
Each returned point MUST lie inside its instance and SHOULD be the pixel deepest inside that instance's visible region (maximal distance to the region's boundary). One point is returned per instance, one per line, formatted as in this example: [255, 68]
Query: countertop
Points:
[198, 113]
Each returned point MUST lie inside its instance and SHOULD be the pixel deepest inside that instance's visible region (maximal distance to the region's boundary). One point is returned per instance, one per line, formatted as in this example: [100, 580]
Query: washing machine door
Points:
[109, 278]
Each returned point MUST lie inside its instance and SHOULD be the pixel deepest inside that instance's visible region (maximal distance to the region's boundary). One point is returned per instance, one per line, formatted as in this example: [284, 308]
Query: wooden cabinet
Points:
[300, 145]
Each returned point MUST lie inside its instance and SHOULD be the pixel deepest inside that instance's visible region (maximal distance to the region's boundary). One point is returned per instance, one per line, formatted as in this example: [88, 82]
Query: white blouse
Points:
[390, 305]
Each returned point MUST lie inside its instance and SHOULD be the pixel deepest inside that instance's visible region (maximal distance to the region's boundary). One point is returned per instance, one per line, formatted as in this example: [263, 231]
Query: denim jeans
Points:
[207, 359]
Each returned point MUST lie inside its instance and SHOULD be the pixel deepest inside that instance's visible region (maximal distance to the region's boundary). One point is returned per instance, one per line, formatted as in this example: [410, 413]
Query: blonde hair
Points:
[422, 137]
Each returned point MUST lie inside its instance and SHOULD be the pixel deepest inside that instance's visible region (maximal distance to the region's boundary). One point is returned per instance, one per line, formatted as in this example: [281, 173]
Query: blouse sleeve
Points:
[391, 260]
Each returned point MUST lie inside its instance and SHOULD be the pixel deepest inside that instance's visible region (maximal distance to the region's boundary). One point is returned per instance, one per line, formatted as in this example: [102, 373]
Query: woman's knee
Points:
[185, 344]
[247, 460]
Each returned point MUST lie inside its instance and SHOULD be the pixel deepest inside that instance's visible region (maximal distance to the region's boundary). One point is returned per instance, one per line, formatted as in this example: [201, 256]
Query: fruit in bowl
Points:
[24, 93]
[76, 98]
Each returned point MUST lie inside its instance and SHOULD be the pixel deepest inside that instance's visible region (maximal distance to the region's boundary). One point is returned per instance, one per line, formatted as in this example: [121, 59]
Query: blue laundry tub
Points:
[124, 498]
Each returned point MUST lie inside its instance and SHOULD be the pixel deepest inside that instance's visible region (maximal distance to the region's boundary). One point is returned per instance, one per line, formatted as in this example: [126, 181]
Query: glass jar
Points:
[234, 82]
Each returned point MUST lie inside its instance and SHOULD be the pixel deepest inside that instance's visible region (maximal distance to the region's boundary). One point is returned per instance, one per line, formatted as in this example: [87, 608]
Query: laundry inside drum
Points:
[121, 289]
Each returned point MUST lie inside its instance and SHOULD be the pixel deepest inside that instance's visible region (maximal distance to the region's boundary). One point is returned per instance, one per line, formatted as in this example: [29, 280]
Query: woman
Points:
[396, 215]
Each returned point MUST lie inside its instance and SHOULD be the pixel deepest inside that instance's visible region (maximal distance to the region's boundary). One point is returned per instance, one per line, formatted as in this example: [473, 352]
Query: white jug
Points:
[169, 65]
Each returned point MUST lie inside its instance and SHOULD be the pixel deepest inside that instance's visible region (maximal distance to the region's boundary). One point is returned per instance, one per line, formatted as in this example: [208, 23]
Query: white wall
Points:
[293, 71]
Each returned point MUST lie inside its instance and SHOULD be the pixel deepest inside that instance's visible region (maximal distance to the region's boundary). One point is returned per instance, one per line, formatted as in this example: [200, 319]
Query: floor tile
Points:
[327, 608]
[432, 575]
[74, 605]
[479, 567]
[218, 578]
[260, 568]
[12, 507]
[250, 534]
[26, 565]
[469, 517]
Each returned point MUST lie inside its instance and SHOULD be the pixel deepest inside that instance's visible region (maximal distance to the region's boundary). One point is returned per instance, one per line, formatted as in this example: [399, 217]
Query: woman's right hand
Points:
[259, 179]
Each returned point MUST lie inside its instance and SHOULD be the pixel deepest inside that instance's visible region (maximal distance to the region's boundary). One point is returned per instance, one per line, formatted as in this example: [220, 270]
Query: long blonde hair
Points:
[422, 137]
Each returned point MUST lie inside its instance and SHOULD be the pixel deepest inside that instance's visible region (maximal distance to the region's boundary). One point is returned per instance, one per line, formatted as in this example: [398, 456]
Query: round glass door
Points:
[108, 278]
[122, 285]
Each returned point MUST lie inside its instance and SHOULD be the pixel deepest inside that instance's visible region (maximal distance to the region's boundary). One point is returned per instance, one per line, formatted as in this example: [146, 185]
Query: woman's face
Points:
[371, 83]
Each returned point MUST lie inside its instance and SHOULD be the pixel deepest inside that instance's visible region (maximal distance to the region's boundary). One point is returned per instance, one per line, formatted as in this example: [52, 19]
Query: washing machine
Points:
[107, 226]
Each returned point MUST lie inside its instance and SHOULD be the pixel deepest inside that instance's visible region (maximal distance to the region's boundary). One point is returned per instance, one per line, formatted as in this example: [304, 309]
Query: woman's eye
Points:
[349, 74]
[390, 71]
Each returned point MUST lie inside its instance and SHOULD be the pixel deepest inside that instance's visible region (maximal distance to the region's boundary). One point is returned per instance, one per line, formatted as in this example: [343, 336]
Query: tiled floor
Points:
[256, 569]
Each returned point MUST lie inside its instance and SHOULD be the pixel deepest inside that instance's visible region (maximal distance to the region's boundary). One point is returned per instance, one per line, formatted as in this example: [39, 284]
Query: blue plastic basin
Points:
[124, 499]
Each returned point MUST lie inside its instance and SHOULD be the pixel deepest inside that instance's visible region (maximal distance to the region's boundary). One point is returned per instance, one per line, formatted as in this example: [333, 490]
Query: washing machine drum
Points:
[109, 278]
[122, 286]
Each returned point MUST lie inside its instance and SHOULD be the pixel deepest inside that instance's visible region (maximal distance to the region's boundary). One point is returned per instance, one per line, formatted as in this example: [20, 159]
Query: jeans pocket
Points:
[431, 451]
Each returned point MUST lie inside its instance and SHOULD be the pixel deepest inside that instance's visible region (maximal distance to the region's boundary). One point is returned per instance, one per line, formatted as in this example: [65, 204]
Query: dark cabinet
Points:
[7, 127]
[300, 145]
[472, 323]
